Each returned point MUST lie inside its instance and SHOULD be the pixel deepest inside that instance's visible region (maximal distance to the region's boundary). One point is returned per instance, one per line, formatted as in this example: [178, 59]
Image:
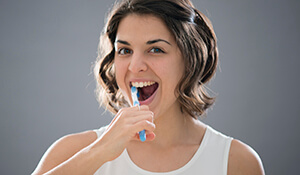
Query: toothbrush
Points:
[134, 96]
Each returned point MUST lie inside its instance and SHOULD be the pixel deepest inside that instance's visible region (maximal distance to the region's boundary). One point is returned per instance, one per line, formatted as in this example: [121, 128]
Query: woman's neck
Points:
[175, 128]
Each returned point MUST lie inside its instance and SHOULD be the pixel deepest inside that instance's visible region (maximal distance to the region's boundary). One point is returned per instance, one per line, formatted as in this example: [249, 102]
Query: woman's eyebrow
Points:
[122, 42]
[148, 42]
[157, 40]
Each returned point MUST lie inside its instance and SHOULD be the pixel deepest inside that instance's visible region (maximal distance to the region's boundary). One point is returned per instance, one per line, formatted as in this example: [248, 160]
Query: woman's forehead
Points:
[143, 27]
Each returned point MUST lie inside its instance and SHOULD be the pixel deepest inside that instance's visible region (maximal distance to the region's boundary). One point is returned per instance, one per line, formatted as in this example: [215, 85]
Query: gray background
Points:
[47, 49]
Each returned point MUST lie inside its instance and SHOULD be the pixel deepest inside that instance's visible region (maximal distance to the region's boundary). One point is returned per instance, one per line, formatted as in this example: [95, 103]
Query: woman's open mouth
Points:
[145, 90]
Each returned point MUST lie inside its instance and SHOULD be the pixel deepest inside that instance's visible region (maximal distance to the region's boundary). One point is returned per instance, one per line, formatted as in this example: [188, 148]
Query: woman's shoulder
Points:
[64, 148]
[77, 140]
[243, 160]
[72, 143]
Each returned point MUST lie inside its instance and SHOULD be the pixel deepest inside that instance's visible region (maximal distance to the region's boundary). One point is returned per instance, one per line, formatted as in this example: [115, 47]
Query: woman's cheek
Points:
[120, 73]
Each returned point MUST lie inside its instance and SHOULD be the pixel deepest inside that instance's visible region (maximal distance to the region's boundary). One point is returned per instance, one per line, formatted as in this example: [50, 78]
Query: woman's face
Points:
[148, 57]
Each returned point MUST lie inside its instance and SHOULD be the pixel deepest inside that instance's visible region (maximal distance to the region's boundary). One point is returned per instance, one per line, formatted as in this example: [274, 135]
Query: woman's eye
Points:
[124, 51]
[156, 50]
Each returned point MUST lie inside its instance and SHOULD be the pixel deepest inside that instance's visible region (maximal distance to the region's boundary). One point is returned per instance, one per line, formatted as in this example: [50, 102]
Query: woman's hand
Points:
[124, 128]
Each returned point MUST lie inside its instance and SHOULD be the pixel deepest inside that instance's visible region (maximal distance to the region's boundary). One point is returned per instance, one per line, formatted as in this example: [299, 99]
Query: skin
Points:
[169, 131]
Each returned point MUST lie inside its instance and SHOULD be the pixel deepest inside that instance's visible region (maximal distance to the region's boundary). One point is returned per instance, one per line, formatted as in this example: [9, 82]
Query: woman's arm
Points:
[83, 153]
[244, 160]
[72, 154]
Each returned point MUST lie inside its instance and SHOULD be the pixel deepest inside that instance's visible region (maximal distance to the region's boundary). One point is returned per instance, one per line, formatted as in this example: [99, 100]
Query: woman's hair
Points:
[195, 37]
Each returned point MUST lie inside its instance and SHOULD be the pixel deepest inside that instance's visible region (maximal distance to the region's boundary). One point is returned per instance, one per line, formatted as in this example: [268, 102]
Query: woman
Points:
[167, 50]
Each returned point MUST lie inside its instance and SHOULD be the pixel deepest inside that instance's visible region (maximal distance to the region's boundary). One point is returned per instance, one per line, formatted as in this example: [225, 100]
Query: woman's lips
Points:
[140, 83]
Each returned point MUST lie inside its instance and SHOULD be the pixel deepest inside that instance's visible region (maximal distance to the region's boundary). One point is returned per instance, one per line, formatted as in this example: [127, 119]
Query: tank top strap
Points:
[217, 149]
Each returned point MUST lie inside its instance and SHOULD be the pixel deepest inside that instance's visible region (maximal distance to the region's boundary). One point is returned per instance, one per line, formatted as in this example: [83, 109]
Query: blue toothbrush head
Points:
[135, 96]
[133, 89]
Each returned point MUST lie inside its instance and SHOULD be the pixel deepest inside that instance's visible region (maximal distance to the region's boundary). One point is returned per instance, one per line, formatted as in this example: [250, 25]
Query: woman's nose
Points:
[137, 63]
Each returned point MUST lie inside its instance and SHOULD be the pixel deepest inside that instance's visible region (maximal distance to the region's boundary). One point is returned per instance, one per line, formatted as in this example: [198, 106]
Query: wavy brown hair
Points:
[195, 37]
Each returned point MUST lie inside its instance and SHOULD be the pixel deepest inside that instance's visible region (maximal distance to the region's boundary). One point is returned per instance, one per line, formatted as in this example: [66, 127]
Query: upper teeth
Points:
[142, 84]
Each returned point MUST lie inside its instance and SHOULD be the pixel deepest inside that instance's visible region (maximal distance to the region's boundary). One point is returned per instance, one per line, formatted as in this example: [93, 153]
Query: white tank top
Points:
[211, 158]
